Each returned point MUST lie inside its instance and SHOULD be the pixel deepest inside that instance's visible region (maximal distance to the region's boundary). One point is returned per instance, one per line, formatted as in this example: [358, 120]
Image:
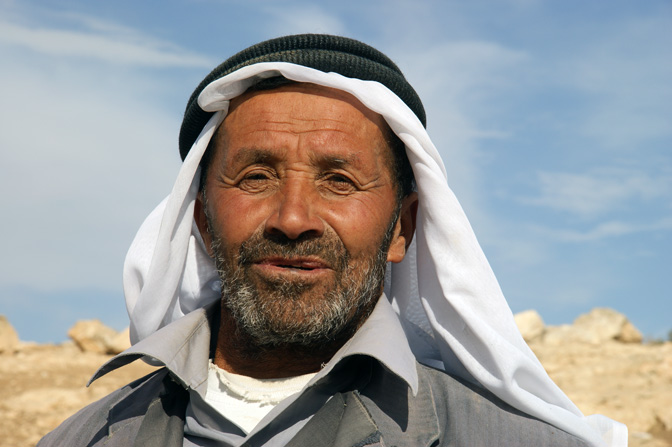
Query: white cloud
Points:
[99, 41]
[607, 230]
[598, 192]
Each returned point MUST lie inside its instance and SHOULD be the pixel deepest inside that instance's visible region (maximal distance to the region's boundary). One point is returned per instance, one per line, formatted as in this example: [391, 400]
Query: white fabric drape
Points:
[452, 308]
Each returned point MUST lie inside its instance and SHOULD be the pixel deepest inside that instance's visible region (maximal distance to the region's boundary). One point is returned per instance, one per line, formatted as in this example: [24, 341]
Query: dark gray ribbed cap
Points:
[323, 52]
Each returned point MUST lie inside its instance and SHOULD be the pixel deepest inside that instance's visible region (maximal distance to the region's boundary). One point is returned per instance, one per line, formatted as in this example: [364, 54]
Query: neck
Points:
[237, 353]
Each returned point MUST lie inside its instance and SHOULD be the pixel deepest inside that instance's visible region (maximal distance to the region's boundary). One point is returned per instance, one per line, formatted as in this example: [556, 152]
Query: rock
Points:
[664, 416]
[629, 334]
[9, 339]
[92, 336]
[558, 335]
[596, 327]
[120, 342]
[530, 325]
[601, 324]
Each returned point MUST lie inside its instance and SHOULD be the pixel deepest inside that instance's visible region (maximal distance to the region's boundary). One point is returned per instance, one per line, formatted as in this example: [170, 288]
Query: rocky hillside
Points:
[599, 361]
[603, 366]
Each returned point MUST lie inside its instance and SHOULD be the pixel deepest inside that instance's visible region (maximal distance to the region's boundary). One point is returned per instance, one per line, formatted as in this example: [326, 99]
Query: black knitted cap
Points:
[323, 52]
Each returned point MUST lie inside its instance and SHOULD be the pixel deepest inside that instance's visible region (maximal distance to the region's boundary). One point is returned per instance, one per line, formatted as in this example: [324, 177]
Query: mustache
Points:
[328, 248]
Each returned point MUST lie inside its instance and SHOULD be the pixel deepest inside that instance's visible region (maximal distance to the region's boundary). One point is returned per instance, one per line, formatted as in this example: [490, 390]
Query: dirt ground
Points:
[631, 383]
[41, 385]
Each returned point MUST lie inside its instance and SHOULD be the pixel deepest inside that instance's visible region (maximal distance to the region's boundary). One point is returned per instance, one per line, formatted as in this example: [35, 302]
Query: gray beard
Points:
[274, 313]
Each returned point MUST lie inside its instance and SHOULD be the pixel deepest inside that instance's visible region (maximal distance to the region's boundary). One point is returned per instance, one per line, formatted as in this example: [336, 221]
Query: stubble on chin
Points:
[272, 312]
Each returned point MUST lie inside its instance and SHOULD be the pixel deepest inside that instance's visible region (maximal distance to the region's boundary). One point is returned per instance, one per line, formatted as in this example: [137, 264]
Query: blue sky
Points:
[554, 120]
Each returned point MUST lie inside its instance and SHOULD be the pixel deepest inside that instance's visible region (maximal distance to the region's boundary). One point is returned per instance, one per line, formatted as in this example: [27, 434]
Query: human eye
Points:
[256, 180]
[339, 183]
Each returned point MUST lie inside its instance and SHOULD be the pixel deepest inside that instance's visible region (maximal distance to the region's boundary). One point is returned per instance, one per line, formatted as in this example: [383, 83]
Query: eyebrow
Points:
[328, 162]
[248, 156]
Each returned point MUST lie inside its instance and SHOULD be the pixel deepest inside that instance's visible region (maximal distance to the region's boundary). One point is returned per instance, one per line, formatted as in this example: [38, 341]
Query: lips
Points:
[302, 264]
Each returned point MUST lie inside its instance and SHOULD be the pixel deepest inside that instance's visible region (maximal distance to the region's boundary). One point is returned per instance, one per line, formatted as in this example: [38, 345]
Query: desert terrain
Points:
[600, 362]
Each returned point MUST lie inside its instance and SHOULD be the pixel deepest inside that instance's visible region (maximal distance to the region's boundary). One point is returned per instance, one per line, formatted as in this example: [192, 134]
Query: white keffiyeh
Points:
[459, 318]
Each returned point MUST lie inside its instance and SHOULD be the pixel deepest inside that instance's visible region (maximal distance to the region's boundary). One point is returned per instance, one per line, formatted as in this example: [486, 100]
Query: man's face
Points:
[301, 208]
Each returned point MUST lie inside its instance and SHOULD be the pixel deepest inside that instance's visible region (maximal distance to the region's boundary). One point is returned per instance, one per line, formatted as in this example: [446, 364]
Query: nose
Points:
[295, 212]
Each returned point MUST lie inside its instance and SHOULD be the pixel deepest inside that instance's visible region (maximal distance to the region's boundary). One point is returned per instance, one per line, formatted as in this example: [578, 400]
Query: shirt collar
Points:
[183, 347]
[381, 337]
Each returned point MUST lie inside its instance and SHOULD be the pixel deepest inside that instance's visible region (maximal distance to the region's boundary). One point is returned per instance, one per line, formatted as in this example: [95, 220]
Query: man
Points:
[262, 283]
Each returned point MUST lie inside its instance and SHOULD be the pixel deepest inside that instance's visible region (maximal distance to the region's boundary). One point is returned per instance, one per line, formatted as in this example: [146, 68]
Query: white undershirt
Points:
[245, 400]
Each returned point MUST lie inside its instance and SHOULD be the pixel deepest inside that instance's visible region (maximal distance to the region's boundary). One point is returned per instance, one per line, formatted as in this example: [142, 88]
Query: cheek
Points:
[361, 224]
[237, 217]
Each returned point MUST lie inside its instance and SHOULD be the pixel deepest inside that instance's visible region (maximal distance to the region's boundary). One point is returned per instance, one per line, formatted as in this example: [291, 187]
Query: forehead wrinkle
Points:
[328, 161]
[307, 125]
[254, 155]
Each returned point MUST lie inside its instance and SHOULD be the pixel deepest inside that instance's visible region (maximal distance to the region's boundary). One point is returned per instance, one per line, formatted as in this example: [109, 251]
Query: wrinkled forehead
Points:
[331, 120]
[314, 98]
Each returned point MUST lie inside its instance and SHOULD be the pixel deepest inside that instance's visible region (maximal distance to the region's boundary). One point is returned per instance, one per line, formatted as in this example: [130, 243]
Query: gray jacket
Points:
[378, 410]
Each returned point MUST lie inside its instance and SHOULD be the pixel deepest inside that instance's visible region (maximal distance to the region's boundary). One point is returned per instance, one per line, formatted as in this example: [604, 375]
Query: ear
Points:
[202, 223]
[404, 228]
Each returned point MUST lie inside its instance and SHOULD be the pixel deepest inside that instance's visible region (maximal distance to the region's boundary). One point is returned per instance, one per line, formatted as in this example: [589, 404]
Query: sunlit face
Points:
[301, 207]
